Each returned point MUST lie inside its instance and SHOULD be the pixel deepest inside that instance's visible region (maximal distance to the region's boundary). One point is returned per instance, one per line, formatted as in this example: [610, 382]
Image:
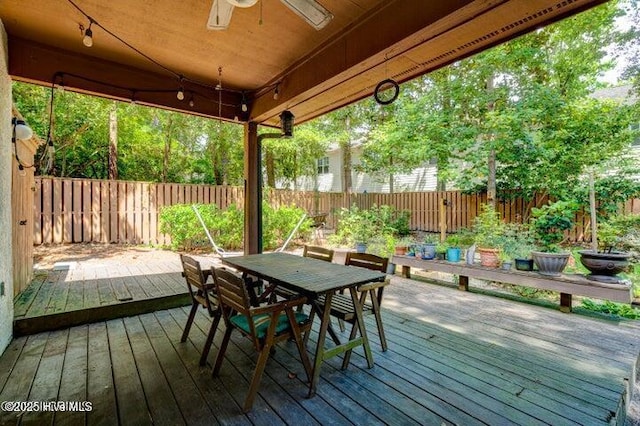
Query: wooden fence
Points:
[82, 210]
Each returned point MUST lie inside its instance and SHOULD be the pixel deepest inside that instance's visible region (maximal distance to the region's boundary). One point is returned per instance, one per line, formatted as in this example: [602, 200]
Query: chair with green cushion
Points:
[264, 325]
[202, 294]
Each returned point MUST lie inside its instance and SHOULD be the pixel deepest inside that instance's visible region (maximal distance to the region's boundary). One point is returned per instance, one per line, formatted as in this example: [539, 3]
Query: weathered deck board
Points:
[453, 358]
[70, 297]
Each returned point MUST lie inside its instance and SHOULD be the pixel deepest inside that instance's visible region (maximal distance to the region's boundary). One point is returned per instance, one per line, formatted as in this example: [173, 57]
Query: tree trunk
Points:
[346, 166]
[270, 166]
[167, 152]
[112, 172]
[491, 161]
[347, 185]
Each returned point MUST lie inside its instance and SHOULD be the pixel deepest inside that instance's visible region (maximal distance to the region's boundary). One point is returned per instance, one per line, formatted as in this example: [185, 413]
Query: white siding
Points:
[420, 179]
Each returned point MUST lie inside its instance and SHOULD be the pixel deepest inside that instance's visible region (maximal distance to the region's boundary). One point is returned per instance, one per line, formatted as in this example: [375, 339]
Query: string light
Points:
[180, 94]
[276, 92]
[87, 40]
[244, 103]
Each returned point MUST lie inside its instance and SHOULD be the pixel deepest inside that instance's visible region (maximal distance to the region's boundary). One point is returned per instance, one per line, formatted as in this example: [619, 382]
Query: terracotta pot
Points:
[401, 250]
[489, 257]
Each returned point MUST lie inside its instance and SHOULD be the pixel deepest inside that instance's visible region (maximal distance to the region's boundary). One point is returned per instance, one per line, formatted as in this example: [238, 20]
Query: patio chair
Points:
[370, 296]
[264, 325]
[202, 294]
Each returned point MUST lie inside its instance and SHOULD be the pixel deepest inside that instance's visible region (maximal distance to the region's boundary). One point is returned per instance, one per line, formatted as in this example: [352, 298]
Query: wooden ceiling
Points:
[315, 71]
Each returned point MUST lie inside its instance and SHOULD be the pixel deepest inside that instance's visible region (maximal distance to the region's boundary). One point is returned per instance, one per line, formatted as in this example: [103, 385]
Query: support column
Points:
[252, 190]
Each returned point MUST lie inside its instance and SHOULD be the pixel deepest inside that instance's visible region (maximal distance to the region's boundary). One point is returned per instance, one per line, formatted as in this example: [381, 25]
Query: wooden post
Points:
[252, 190]
[463, 282]
[592, 211]
[443, 219]
[565, 303]
[22, 202]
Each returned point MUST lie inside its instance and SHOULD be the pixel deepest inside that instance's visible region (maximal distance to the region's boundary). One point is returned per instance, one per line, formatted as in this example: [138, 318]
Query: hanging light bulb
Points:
[22, 131]
[180, 94]
[191, 103]
[276, 92]
[87, 40]
[244, 103]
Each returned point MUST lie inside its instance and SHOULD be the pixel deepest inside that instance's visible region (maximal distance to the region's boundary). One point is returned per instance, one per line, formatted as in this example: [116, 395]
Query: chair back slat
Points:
[319, 253]
[232, 291]
[368, 261]
[192, 271]
[195, 278]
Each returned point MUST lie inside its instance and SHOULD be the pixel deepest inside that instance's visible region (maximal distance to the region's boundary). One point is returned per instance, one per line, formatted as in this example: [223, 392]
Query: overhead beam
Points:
[40, 64]
[449, 32]
[357, 50]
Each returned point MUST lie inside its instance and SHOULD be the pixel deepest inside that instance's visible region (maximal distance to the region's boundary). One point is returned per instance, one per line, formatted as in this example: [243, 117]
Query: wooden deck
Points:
[454, 358]
[73, 293]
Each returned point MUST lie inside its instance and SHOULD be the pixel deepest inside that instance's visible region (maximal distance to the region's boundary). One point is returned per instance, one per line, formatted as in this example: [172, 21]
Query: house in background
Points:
[330, 172]
[330, 177]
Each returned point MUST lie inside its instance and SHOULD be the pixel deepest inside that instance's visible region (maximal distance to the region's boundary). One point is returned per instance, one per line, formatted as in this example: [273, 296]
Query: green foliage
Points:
[181, 224]
[453, 241]
[227, 227]
[518, 242]
[360, 225]
[488, 229]
[612, 308]
[621, 232]
[550, 222]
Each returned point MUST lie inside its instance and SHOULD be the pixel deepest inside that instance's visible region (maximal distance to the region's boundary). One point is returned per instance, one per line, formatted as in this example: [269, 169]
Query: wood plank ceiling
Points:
[315, 71]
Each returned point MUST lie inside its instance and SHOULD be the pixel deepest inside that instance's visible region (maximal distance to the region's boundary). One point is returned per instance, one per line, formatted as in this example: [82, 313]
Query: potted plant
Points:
[505, 260]
[402, 245]
[428, 248]
[361, 235]
[609, 260]
[489, 233]
[441, 251]
[518, 245]
[549, 225]
[453, 248]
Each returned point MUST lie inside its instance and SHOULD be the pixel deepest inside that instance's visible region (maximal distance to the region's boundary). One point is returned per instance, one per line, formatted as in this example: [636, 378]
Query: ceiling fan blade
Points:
[220, 15]
[311, 11]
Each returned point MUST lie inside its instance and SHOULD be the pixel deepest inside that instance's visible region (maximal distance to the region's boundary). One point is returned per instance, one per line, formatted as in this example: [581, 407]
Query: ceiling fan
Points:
[309, 10]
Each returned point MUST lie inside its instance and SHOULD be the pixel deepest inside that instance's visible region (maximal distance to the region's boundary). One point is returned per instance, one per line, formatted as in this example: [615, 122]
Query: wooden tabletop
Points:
[305, 275]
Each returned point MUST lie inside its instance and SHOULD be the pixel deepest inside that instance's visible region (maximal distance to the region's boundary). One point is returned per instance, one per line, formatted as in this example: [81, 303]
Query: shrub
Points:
[227, 227]
[549, 223]
[360, 225]
[181, 224]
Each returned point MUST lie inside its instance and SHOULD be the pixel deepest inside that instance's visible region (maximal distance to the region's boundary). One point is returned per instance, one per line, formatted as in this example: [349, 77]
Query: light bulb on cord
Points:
[23, 132]
[180, 94]
[87, 40]
[243, 103]
[276, 92]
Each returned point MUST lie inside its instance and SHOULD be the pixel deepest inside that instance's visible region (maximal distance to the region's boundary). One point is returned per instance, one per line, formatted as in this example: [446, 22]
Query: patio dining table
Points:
[314, 278]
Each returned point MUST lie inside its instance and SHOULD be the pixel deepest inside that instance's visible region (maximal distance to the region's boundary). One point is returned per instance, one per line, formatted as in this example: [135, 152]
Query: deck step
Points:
[32, 325]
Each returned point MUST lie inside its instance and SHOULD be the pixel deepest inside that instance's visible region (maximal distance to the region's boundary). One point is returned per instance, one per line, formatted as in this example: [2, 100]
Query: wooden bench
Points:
[565, 284]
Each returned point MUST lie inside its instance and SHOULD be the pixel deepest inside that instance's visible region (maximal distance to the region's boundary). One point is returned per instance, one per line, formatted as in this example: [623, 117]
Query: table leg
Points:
[317, 362]
[363, 333]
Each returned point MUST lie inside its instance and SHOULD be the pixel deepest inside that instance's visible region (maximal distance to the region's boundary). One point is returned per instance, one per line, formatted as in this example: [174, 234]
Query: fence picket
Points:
[85, 210]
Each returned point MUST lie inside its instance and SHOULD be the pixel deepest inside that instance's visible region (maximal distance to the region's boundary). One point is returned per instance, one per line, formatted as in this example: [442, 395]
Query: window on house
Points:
[323, 165]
